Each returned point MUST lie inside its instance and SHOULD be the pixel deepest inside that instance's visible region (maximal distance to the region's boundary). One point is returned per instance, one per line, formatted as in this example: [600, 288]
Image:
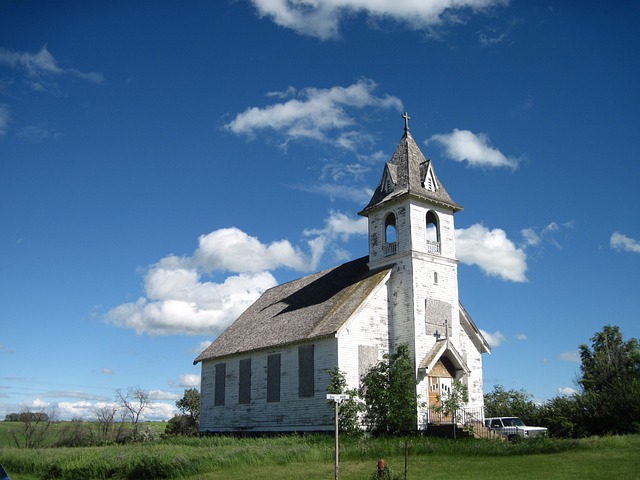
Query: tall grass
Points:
[220, 457]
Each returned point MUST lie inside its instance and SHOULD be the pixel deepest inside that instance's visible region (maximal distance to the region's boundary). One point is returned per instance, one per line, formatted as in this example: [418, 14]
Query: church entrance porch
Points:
[440, 382]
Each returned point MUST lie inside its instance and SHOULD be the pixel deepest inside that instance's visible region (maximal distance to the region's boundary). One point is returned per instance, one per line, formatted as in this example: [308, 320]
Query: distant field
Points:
[58, 429]
[311, 457]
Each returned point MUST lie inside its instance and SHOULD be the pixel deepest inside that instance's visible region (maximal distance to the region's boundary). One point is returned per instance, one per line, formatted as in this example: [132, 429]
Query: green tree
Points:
[565, 417]
[188, 423]
[389, 394]
[189, 404]
[349, 413]
[611, 382]
[609, 360]
[511, 403]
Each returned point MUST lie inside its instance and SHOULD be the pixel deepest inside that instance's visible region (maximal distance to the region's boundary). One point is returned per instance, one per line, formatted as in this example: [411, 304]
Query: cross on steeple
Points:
[406, 117]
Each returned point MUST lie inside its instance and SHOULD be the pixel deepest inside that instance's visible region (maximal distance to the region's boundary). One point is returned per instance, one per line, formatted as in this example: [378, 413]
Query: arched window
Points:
[390, 233]
[390, 246]
[433, 233]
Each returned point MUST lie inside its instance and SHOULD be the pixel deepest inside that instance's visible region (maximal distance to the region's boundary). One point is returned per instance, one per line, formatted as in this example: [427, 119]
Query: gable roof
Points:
[411, 173]
[443, 347]
[311, 307]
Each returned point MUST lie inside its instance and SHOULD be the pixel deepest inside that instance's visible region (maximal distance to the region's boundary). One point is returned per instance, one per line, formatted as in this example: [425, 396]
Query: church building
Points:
[268, 371]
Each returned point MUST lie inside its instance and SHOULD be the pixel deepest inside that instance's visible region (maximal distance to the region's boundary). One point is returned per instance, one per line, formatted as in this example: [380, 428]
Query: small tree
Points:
[105, 417]
[452, 403]
[189, 404]
[34, 428]
[133, 402]
[349, 413]
[389, 393]
[188, 423]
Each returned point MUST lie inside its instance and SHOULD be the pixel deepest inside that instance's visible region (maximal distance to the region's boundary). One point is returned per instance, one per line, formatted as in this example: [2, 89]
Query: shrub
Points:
[181, 425]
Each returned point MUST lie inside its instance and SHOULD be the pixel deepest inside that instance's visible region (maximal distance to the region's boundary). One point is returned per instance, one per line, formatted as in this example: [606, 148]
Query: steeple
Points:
[409, 172]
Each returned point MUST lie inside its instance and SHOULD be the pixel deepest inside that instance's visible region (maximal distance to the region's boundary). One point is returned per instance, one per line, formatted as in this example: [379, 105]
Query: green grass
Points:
[311, 457]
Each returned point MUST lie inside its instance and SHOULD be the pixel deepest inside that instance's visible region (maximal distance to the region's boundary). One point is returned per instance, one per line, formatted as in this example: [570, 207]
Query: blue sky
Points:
[162, 163]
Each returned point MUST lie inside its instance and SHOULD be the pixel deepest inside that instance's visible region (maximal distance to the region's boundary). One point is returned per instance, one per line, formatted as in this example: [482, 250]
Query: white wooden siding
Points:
[291, 413]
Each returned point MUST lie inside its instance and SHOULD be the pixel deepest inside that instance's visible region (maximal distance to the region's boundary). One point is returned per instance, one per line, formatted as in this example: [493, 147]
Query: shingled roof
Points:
[311, 307]
[409, 172]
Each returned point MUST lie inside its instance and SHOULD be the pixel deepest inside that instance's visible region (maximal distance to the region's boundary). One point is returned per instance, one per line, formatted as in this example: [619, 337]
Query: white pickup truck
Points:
[513, 427]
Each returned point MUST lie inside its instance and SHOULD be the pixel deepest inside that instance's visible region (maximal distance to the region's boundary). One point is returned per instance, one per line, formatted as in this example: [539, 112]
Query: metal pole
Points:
[337, 411]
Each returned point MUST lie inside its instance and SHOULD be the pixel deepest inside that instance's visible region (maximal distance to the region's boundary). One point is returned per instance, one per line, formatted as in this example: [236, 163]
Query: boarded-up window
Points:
[221, 375]
[437, 318]
[367, 358]
[273, 378]
[306, 370]
[244, 382]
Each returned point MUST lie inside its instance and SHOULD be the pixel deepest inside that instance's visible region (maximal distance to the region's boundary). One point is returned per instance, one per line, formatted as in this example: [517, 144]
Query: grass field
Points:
[312, 457]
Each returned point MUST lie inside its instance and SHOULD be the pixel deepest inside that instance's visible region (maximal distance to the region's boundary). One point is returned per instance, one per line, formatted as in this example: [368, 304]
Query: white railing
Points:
[433, 247]
[390, 249]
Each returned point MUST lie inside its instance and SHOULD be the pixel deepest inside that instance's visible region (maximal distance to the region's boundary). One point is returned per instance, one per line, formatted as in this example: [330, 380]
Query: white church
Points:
[268, 371]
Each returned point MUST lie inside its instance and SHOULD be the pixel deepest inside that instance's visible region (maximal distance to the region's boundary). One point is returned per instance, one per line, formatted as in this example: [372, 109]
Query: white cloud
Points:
[573, 356]
[201, 347]
[75, 410]
[313, 113]
[461, 145]
[39, 403]
[533, 236]
[340, 225]
[230, 249]
[193, 308]
[623, 243]
[187, 380]
[163, 395]
[343, 191]
[494, 339]
[159, 411]
[154, 411]
[521, 336]
[41, 65]
[567, 391]
[492, 251]
[340, 181]
[107, 371]
[491, 36]
[322, 18]
[178, 300]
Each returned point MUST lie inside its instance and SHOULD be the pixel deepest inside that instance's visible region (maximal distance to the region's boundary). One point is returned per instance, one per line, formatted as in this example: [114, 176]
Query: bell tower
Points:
[411, 228]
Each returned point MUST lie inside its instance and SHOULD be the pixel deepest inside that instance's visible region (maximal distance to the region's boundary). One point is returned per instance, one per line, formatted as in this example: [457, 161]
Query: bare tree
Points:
[133, 402]
[105, 416]
[34, 428]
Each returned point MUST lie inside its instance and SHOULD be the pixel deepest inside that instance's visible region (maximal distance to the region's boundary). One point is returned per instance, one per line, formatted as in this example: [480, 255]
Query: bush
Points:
[389, 392]
[181, 425]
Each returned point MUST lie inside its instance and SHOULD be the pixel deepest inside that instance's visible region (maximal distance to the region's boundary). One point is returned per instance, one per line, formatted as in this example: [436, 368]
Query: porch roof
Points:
[441, 348]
